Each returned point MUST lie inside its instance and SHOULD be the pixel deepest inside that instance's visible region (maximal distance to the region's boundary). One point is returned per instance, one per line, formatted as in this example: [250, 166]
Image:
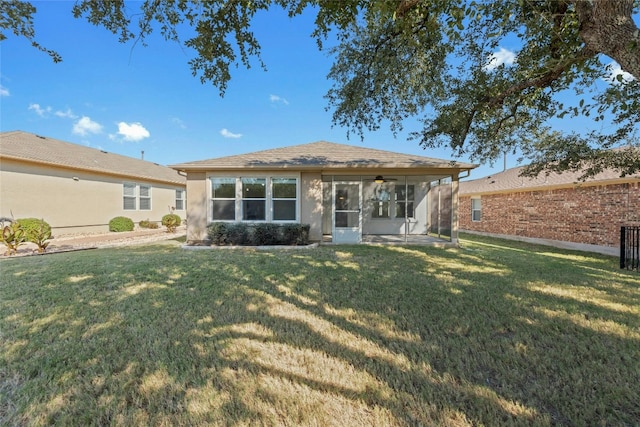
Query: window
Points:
[284, 195]
[145, 197]
[380, 202]
[404, 201]
[179, 200]
[129, 196]
[476, 210]
[254, 198]
[223, 195]
[136, 196]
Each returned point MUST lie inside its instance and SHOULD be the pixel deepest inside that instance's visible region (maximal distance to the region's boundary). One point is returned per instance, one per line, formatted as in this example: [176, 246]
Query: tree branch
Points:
[542, 81]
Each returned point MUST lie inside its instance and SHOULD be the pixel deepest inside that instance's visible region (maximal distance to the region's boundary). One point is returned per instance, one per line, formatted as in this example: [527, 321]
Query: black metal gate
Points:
[630, 247]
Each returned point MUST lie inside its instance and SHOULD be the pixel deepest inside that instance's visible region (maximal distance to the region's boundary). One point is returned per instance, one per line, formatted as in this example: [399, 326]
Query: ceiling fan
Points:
[379, 179]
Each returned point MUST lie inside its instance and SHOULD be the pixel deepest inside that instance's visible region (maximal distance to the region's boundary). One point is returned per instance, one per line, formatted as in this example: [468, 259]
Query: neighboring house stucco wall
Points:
[74, 201]
[586, 214]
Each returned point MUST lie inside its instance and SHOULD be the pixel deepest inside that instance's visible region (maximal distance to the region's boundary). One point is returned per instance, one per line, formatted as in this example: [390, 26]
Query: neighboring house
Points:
[343, 192]
[79, 189]
[557, 209]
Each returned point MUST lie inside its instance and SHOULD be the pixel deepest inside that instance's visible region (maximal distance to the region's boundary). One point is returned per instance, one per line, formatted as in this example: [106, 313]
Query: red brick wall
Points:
[586, 214]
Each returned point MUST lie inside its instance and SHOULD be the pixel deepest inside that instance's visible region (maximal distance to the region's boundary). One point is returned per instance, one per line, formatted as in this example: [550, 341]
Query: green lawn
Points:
[493, 333]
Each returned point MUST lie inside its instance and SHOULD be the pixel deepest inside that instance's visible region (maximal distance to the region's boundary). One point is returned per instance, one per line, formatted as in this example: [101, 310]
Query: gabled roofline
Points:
[323, 155]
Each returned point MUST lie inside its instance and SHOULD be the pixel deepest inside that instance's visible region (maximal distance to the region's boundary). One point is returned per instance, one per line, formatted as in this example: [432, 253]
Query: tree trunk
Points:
[606, 26]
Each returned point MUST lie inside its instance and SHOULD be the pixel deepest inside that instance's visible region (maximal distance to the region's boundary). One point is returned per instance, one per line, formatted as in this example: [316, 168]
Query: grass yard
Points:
[492, 333]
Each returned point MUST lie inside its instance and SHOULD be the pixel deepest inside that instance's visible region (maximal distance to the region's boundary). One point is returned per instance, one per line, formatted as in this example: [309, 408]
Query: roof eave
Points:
[92, 170]
[349, 166]
[551, 187]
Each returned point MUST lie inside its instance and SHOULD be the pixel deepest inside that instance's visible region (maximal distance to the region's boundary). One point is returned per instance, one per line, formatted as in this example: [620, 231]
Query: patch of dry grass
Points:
[494, 332]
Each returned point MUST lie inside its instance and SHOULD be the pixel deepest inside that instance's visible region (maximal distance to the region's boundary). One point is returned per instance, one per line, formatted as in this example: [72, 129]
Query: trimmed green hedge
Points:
[121, 223]
[261, 234]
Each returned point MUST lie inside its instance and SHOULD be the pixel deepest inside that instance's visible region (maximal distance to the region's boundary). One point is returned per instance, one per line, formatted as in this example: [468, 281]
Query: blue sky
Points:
[126, 98]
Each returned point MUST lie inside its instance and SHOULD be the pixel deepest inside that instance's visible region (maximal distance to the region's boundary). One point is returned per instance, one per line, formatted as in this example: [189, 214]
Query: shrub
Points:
[120, 224]
[12, 236]
[171, 221]
[230, 233]
[36, 231]
[145, 223]
[296, 234]
[266, 234]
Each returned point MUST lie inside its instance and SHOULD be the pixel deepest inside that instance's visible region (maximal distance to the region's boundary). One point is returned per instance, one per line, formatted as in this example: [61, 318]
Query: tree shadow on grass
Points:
[334, 336]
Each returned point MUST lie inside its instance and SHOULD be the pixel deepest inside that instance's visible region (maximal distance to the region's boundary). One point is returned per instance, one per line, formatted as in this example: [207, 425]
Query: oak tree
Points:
[431, 60]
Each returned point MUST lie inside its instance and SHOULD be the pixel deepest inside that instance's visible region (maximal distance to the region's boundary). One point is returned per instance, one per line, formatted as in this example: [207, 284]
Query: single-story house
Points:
[79, 189]
[555, 209]
[343, 192]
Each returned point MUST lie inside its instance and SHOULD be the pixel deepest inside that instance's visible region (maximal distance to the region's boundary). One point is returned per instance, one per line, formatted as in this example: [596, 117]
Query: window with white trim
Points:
[404, 200]
[380, 202]
[476, 209]
[144, 197]
[129, 196]
[179, 200]
[254, 199]
[223, 199]
[262, 198]
[284, 199]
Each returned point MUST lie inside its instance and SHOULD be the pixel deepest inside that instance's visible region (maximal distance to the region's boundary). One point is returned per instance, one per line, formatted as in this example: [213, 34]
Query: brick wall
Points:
[585, 214]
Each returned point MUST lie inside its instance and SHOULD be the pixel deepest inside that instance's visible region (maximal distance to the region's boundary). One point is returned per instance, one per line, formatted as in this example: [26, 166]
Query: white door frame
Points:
[353, 232]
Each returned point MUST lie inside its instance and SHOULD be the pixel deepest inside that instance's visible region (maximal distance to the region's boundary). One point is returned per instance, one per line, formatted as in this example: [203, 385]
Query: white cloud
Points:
[614, 70]
[276, 98]
[66, 114]
[39, 110]
[4, 91]
[503, 56]
[228, 134]
[86, 126]
[133, 131]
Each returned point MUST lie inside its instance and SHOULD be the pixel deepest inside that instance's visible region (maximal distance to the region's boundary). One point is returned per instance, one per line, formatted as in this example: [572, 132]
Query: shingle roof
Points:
[510, 180]
[24, 146]
[322, 155]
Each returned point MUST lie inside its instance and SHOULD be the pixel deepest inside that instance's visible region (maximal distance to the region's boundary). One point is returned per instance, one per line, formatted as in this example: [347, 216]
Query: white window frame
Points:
[180, 193]
[268, 199]
[405, 201]
[212, 199]
[125, 196]
[254, 199]
[476, 209]
[378, 202]
[137, 196]
[273, 199]
[147, 197]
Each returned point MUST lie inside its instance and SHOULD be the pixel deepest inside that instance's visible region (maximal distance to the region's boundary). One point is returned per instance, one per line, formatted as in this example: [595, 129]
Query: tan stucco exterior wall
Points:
[74, 201]
[198, 199]
[197, 207]
[311, 204]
